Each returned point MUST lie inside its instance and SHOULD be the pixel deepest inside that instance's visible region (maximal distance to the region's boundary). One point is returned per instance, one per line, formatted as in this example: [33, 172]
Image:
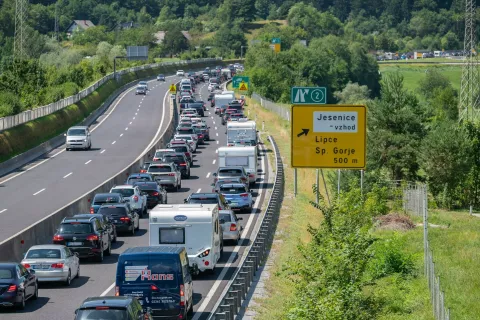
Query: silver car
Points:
[134, 197]
[78, 138]
[191, 139]
[53, 262]
[166, 174]
[231, 228]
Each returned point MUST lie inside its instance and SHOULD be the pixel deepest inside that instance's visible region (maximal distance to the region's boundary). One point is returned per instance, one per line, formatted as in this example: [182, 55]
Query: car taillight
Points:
[12, 288]
[244, 195]
[233, 227]
[57, 238]
[171, 174]
[183, 164]
[200, 136]
[155, 193]
[125, 219]
[155, 159]
[251, 175]
[92, 237]
[57, 265]
[135, 198]
[182, 296]
[92, 210]
[153, 287]
[143, 171]
[204, 254]
[187, 154]
[26, 265]
[102, 308]
[117, 291]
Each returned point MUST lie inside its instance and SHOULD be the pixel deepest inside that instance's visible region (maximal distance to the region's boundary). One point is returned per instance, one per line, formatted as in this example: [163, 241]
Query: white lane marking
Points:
[63, 150]
[137, 110]
[104, 293]
[211, 117]
[126, 128]
[217, 141]
[207, 299]
[216, 151]
[136, 113]
[133, 118]
[39, 192]
[208, 175]
[68, 175]
[88, 161]
[114, 142]
[214, 161]
[216, 128]
[130, 122]
[198, 191]
[103, 151]
[213, 122]
[121, 134]
[2, 211]
[216, 133]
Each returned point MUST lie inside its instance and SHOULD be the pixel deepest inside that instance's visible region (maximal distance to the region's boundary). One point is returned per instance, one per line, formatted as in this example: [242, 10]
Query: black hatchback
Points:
[117, 308]
[180, 160]
[123, 218]
[155, 193]
[85, 236]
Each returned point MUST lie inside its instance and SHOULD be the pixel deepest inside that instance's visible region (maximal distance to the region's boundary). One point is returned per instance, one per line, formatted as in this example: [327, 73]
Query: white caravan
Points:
[223, 99]
[241, 131]
[240, 156]
[193, 226]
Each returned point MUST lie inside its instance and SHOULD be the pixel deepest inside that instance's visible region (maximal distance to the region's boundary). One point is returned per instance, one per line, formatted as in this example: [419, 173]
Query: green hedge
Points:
[28, 135]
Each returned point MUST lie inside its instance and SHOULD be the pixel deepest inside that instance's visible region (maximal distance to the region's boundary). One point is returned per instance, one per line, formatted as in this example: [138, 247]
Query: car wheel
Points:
[100, 256]
[190, 310]
[133, 230]
[35, 294]
[138, 225]
[68, 281]
[114, 236]
[78, 272]
[145, 212]
[109, 248]
[67, 149]
[21, 304]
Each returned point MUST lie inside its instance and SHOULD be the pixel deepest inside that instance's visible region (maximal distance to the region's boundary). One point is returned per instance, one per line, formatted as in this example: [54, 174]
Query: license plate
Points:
[45, 266]
[74, 243]
[115, 221]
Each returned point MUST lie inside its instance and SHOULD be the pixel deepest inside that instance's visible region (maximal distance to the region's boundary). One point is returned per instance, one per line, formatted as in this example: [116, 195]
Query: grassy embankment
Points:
[401, 298]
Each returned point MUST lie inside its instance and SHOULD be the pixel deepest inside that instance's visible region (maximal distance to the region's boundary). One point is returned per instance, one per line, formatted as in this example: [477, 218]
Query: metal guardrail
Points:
[29, 115]
[230, 302]
[270, 105]
[415, 201]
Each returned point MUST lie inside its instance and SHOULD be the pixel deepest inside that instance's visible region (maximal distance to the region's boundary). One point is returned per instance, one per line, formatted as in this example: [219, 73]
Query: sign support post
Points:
[318, 186]
[295, 182]
[338, 183]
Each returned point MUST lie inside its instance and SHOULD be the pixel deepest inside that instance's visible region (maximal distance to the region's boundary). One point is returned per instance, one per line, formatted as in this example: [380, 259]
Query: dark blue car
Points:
[159, 277]
[17, 285]
[105, 198]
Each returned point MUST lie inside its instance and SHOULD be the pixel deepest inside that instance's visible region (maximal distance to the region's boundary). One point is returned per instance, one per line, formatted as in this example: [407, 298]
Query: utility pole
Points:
[470, 87]
[55, 29]
[20, 39]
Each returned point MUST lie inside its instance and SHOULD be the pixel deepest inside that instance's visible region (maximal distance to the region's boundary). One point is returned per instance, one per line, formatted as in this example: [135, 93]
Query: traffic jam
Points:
[185, 240]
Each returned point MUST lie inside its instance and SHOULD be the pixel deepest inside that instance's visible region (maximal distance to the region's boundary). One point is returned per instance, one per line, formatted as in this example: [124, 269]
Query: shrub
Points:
[10, 104]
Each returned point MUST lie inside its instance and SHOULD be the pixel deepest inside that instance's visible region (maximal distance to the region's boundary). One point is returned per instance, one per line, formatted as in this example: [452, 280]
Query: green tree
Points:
[175, 42]
[433, 79]
[229, 39]
[353, 93]
[263, 8]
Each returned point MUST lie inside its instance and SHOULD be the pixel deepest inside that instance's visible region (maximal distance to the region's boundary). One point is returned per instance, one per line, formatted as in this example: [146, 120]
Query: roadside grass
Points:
[400, 298]
[414, 73]
[428, 60]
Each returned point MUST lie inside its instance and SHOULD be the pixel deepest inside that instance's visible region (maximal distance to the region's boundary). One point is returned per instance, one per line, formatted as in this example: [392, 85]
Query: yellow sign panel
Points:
[329, 136]
[173, 88]
[243, 86]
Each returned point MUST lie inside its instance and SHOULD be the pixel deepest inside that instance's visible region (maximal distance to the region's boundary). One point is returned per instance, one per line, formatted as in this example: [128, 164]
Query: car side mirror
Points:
[76, 254]
[238, 219]
[222, 221]
[214, 174]
[185, 201]
[229, 201]
[64, 134]
[31, 271]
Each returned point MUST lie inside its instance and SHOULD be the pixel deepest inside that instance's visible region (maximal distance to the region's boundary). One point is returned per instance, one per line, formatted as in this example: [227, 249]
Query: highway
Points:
[59, 302]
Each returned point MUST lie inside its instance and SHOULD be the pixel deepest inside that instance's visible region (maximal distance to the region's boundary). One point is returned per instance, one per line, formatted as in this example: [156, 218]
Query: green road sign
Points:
[275, 40]
[309, 95]
[239, 79]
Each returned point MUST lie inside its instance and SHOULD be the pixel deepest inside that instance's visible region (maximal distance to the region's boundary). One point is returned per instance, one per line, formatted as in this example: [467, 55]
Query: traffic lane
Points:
[58, 302]
[63, 178]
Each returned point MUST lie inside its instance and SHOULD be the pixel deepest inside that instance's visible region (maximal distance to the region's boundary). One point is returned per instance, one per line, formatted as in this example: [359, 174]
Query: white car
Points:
[192, 140]
[78, 138]
[53, 262]
[180, 73]
[231, 228]
[134, 197]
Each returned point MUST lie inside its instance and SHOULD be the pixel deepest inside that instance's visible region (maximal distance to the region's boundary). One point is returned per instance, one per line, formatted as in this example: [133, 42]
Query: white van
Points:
[240, 156]
[193, 226]
[241, 131]
[223, 99]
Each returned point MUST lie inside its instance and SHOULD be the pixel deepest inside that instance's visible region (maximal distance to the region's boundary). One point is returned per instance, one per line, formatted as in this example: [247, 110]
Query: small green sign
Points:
[237, 80]
[276, 40]
[309, 95]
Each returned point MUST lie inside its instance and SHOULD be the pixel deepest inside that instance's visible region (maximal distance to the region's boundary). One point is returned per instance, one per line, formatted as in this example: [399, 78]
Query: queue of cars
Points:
[161, 272]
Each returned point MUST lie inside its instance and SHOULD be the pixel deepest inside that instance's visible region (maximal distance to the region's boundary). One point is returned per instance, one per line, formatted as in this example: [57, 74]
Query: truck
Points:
[227, 73]
[240, 156]
[193, 226]
[241, 131]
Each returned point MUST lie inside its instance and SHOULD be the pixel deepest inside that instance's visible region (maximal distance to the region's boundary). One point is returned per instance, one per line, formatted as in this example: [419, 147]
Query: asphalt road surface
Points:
[59, 302]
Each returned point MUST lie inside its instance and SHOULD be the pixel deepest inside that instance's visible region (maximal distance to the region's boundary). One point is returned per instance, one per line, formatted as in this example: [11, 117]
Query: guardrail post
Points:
[232, 300]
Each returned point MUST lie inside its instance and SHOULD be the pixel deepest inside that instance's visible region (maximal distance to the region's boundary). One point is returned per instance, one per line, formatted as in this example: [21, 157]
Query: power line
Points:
[55, 29]
[470, 87]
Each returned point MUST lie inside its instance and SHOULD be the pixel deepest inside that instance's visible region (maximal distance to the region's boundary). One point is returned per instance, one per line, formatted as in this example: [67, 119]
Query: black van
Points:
[159, 277]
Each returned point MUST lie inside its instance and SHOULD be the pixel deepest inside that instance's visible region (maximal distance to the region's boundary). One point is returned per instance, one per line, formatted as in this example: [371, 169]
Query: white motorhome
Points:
[241, 131]
[240, 156]
[232, 93]
[227, 73]
[193, 226]
[223, 99]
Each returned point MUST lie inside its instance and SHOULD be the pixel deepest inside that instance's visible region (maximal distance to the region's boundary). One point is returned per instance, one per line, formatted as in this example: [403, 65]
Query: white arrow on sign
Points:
[300, 96]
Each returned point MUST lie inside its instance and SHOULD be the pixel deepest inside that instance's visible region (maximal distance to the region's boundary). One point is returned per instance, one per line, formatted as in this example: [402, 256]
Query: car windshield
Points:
[43, 254]
[225, 217]
[159, 169]
[146, 165]
[76, 132]
[134, 180]
[76, 227]
[116, 211]
[230, 172]
[6, 273]
[104, 314]
[203, 200]
[232, 189]
[127, 192]
[99, 200]
[148, 186]
[188, 138]
[160, 154]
